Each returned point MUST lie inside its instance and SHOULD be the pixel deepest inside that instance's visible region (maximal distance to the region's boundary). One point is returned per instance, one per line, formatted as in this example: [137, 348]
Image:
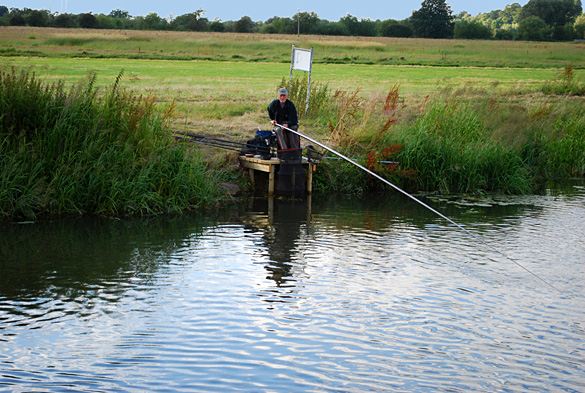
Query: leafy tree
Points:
[555, 13]
[192, 21]
[284, 26]
[118, 13]
[332, 28]
[368, 27]
[37, 18]
[152, 22]
[308, 22]
[533, 29]
[506, 34]
[472, 30]
[244, 25]
[17, 20]
[351, 23]
[217, 26]
[394, 28]
[105, 22]
[511, 13]
[433, 20]
[3, 10]
[579, 27]
[88, 21]
[64, 20]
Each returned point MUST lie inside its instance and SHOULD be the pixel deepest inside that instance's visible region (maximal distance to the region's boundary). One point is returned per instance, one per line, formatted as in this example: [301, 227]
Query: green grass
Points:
[67, 43]
[79, 152]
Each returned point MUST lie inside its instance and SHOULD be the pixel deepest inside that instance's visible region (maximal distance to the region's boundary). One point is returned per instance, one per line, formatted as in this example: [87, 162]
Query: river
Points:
[319, 295]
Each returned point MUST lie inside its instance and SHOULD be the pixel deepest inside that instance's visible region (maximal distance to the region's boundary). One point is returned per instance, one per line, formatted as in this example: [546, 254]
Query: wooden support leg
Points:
[271, 176]
[251, 172]
[310, 179]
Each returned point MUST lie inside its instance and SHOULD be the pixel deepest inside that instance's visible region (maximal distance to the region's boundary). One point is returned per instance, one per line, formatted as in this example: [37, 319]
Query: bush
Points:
[471, 30]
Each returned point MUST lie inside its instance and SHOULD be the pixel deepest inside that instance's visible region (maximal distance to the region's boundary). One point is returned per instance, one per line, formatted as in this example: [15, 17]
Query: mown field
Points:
[462, 116]
[224, 81]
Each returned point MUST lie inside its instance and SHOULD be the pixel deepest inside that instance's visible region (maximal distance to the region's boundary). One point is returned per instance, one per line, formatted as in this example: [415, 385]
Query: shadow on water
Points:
[71, 256]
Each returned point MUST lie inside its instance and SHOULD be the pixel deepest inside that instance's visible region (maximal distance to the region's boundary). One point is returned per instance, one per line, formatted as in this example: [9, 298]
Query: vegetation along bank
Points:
[73, 143]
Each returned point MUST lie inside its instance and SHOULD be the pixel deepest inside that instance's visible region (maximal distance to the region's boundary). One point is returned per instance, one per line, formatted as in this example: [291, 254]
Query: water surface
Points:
[322, 295]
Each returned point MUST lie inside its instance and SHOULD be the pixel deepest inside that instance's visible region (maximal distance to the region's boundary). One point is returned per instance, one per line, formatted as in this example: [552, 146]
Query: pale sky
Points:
[330, 10]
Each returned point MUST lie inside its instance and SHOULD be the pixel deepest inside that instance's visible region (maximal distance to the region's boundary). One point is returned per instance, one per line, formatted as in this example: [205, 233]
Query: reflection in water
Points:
[281, 222]
[321, 295]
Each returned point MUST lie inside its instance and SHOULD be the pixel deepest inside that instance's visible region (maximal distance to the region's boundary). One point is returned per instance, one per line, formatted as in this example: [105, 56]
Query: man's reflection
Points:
[281, 228]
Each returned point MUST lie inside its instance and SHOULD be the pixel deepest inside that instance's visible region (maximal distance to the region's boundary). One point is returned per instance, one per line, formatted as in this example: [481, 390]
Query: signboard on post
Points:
[302, 60]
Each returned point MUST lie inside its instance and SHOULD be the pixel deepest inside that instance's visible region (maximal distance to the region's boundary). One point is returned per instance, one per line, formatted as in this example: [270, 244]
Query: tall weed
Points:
[319, 95]
[82, 152]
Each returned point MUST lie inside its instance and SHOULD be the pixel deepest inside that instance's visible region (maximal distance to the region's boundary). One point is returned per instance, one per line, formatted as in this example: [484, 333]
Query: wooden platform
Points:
[258, 164]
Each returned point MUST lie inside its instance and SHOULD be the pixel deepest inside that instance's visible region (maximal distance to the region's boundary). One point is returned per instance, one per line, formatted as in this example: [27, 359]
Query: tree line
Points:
[538, 20]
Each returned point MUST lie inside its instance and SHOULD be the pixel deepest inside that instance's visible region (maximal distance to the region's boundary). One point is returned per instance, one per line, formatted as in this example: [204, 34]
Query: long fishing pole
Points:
[419, 202]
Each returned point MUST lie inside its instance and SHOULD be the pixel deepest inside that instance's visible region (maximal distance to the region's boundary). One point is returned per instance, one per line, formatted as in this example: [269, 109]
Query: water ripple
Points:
[343, 300]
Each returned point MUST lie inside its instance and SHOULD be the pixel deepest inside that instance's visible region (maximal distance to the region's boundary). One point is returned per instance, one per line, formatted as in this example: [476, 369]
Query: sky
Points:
[331, 10]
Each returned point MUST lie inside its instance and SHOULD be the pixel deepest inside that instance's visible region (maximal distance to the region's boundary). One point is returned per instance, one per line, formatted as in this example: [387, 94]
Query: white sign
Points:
[302, 59]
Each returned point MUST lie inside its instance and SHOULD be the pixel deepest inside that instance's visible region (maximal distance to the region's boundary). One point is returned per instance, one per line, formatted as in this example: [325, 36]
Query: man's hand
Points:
[273, 122]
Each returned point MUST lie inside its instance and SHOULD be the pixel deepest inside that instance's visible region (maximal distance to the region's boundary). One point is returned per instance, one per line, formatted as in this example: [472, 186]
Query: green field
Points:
[224, 81]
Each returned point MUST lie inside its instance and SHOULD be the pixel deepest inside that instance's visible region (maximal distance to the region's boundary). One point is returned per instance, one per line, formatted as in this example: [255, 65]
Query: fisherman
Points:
[282, 111]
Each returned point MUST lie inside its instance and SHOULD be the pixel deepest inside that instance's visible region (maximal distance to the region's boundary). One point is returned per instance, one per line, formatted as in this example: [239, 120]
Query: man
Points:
[282, 111]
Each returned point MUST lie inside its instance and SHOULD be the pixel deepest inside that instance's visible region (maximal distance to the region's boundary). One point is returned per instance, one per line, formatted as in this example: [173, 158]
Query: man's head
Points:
[282, 94]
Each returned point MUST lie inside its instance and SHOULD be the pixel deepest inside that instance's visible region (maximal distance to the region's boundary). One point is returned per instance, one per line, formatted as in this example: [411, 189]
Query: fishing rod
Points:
[419, 202]
[221, 143]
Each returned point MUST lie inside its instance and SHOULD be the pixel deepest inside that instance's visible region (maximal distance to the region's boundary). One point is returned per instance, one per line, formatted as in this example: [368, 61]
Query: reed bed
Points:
[459, 141]
[78, 151]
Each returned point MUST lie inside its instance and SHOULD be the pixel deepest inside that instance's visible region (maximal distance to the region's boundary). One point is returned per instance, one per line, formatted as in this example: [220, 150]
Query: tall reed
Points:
[463, 141]
[79, 151]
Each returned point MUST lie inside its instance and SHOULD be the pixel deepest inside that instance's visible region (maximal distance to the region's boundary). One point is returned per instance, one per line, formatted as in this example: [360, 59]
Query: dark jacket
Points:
[288, 114]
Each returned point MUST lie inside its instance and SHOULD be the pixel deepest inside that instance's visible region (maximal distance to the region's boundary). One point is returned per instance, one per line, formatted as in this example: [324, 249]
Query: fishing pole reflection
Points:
[281, 222]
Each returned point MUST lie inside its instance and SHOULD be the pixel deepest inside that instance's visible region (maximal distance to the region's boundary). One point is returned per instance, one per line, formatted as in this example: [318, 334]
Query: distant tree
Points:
[37, 18]
[192, 21]
[394, 28]
[64, 20]
[88, 21]
[284, 25]
[118, 13]
[332, 28]
[217, 26]
[17, 20]
[471, 30]
[511, 13]
[463, 15]
[579, 27]
[505, 34]
[308, 22]
[533, 29]
[351, 23]
[555, 13]
[105, 22]
[433, 20]
[3, 10]
[244, 25]
[152, 22]
[368, 27]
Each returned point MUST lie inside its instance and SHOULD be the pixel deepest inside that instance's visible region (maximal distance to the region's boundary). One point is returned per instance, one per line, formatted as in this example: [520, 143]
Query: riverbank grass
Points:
[86, 152]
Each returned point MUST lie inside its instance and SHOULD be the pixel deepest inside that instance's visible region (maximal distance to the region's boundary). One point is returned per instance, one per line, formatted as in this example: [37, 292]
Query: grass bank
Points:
[458, 116]
[462, 140]
[74, 151]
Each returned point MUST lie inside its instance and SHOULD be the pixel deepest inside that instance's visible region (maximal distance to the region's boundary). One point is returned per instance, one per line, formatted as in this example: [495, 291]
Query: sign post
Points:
[302, 60]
